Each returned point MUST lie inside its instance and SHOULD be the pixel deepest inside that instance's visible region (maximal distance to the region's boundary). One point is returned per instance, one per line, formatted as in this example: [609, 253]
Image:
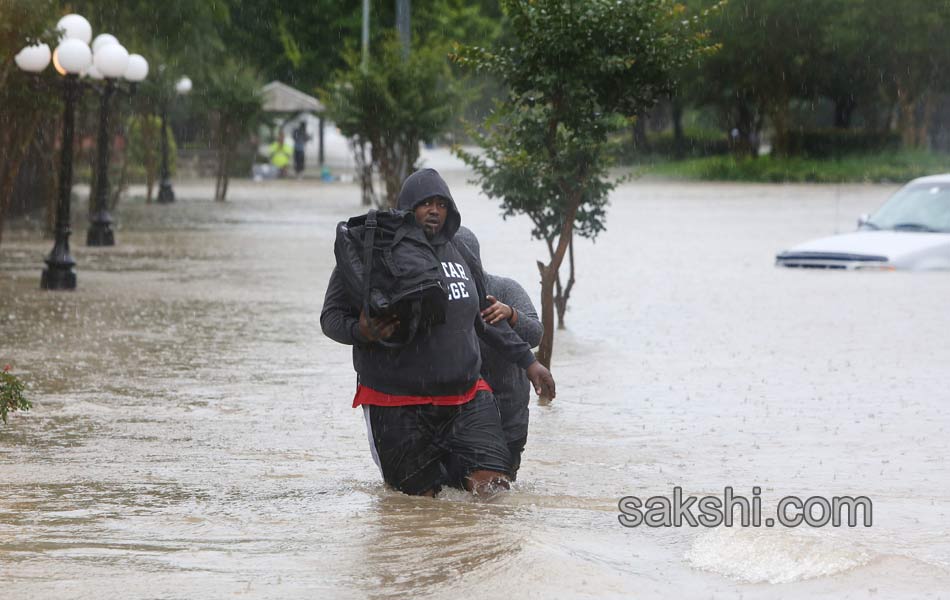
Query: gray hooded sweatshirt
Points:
[507, 381]
[445, 359]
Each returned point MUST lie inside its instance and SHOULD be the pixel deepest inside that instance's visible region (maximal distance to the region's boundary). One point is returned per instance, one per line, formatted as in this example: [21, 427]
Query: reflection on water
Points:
[192, 434]
[448, 539]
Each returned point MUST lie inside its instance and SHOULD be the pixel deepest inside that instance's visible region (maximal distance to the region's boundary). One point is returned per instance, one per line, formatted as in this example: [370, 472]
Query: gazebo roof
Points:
[281, 98]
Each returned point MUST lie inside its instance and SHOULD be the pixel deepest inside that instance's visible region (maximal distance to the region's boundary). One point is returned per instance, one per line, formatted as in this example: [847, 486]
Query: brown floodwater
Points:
[192, 435]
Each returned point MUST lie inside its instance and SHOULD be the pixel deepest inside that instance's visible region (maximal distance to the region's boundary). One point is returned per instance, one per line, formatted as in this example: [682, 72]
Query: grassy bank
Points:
[891, 167]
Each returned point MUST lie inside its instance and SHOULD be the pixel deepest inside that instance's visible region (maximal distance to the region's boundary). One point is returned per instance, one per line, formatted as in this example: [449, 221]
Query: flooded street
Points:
[192, 435]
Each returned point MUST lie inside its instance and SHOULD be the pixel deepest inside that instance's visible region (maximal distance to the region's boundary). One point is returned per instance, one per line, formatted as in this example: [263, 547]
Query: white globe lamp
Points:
[33, 59]
[72, 57]
[183, 86]
[103, 39]
[75, 27]
[112, 60]
[138, 68]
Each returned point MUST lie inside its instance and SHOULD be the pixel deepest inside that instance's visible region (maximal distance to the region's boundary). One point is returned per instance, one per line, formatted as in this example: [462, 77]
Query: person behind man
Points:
[280, 152]
[510, 303]
[425, 404]
[300, 145]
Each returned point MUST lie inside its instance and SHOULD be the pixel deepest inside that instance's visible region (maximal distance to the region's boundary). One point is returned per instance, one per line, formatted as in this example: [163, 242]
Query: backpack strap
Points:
[369, 238]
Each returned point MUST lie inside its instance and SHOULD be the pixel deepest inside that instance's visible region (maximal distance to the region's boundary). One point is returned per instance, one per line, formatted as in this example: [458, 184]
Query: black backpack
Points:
[389, 268]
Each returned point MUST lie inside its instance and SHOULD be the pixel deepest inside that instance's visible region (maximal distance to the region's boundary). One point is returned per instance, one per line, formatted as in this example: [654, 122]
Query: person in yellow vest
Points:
[281, 154]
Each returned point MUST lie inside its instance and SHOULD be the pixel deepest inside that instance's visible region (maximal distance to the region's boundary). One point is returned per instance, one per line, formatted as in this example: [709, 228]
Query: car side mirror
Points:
[863, 220]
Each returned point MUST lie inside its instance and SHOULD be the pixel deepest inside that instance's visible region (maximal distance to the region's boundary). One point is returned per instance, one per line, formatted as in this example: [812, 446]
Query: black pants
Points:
[298, 161]
[514, 421]
[420, 448]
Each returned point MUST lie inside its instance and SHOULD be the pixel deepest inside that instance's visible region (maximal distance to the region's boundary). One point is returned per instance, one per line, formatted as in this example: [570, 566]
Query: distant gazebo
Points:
[283, 99]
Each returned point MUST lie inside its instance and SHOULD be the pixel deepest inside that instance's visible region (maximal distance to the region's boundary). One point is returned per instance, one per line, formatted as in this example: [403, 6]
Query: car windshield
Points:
[919, 207]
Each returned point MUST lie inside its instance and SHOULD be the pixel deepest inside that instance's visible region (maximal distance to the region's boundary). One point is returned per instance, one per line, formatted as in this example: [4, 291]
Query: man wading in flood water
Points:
[426, 407]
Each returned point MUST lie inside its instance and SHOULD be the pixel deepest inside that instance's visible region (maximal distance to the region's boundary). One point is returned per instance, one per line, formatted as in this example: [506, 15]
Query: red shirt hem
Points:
[365, 395]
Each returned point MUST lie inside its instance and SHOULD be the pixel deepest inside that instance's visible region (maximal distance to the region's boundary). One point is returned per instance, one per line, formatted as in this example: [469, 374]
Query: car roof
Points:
[943, 178]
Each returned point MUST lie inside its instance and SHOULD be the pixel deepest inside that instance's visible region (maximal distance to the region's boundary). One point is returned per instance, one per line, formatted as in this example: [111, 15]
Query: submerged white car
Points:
[910, 231]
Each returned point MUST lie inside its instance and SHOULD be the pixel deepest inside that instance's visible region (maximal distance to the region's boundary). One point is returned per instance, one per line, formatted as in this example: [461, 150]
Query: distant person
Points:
[280, 153]
[300, 145]
[508, 381]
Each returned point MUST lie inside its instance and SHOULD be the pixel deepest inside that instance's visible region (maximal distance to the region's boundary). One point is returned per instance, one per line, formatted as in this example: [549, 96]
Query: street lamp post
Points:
[72, 58]
[166, 194]
[110, 62]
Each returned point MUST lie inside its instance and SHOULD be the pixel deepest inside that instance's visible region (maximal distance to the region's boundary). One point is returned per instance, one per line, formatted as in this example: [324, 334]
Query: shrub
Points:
[827, 143]
[886, 167]
[697, 143]
[11, 394]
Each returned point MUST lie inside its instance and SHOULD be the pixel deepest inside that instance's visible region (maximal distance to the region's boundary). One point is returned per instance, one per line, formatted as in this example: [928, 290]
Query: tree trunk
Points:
[546, 348]
[221, 179]
[679, 140]
[150, 131]
[907, 121]
[364, 169]
[844, 109]
[16, 143]
[780, 143]
[549, 276]
[120, 154]
[744, 131]
[928, 110]
[640, 142]
[563, 293]
[390, 167]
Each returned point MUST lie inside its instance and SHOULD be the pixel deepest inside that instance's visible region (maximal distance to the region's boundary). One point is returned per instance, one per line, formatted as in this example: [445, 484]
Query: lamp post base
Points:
[100, 231]
[166, 195]
[58, 277]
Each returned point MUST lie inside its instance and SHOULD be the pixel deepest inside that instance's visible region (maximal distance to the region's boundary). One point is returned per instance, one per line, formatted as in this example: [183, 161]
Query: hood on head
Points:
[426, 184]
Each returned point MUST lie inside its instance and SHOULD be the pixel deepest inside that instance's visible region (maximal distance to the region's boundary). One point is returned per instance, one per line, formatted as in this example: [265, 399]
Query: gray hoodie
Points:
[445, 359]
[507, 381]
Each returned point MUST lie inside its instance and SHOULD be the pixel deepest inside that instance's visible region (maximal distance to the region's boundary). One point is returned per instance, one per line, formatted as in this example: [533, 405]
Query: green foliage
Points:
[231, 96]
[695, 143]
[393, 105]
[888, 167]
[824, 143]
[302, 42]
[24, 103]
[184, 35]
[144, 147]
[143, 136]
[232, 93]
[576, 74]
[869, 56]
[11, 394]
[298, 42]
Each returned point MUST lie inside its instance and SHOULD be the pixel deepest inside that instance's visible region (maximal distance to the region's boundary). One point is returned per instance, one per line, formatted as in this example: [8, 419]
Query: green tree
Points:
[771, 52]
[393, 106]
[909, 43]
[26, 101]
[231, 97]
[575, 73]
[11, 394]
[144, 143]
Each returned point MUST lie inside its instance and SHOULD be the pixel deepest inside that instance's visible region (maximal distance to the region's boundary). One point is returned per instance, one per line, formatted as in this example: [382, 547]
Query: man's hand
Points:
[497, 312]
[379, 328]
[541, 379]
